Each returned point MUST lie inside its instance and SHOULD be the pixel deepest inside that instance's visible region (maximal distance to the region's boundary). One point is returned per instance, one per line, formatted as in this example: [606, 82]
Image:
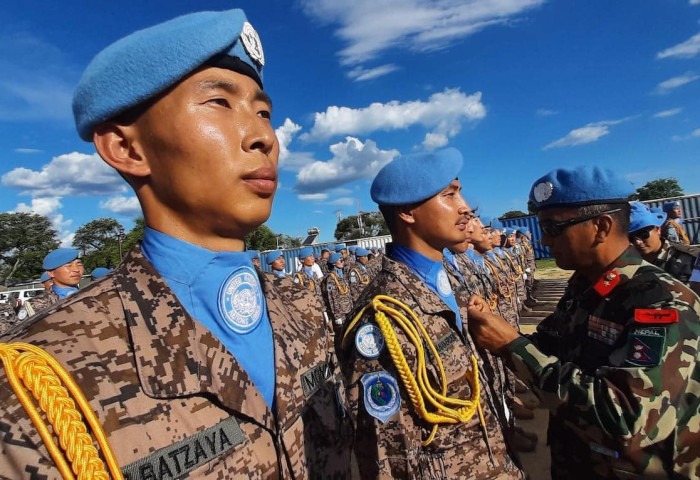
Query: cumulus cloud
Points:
[369, 28]
[443, 112]
[360, 74]
[586, 134]
[43, 206]
[675, 82]
[687, 49]
[121, 205]
[289, 160]
[71, 174]
[668, 113]
[352, 160]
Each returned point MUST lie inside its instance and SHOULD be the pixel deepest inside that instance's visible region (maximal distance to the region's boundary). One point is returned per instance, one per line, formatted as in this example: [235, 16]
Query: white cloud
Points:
[360, 74]
[28, 150]
[694, 134]
[444, 112]
[687, 49]
[543, 112]
[586, 134]
[668, 113]
[342, 202]
[289, 160]
[352, 160]
[43, 206]
[71, 174]
[121, 205]
[675, 82]
[370, 28]
[313, 197]
[435, 140]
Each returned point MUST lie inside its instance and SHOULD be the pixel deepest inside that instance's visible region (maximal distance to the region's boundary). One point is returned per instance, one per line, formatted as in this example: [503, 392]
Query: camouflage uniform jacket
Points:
[336, 295]
[676, 260]
[358, 278]
[392, 448]
[7, 317]
[36, 304]
[617, 366]
[674, 232]
[505, 290]
[172, 400]
[304, 281]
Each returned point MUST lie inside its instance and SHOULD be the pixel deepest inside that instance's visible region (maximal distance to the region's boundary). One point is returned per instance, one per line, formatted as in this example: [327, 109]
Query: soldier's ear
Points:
[604, 225]
[405, 214]
[118, 145]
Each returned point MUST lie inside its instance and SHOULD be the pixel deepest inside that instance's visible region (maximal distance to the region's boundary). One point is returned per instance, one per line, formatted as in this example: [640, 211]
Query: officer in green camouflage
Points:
[617, 362]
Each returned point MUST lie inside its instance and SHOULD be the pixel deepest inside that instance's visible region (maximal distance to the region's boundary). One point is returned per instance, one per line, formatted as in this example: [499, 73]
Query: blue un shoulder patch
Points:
[241, 300]
[381, 395]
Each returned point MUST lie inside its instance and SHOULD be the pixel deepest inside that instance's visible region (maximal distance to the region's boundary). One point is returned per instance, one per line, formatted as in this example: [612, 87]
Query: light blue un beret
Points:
[496, 224]
[668, 206]
[642, 217]
[59, 257]
[413, 178]
[272, 256]
[44, 277]
[352, 248]
[361, 252]
[580, 186]
[148, 62]
[100, 272]
[253, 254]
[335, 257]
[509, 231]
[339, 247]
[305, 252]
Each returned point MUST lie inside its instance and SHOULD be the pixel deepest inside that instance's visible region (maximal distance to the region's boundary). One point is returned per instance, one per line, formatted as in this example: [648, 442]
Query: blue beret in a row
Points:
[44, 277]
[272, 256]
[361, 252]
[59, 257]
[100, 272]
[381, 249]
[570, 187]
[335, 257]
[496, 224]
[149, 61]
[305, 252]
[339, 247]
[668, 206]
[253, 254]
[352, 248]
[509, 231]
[413, 178]
[485, 221]
[642, 217]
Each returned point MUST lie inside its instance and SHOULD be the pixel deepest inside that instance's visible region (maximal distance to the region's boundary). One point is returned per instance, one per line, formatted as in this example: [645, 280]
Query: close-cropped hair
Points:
[621, 217]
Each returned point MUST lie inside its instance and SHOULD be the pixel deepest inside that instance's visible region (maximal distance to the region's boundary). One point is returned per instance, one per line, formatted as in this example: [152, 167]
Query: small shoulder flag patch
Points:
[643, 315]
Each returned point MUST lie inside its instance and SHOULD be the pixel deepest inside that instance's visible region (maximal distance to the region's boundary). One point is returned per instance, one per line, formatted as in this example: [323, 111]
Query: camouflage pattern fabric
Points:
[323, 265]
[676, 260]
[337, 297]
[302, 280]
[529, 259]
[173, 401]
[518, 266]
[358, 280]
[617, 366]
[37, 304]
[674, 232]
[392, 449]
[8, 317]
[374, 266]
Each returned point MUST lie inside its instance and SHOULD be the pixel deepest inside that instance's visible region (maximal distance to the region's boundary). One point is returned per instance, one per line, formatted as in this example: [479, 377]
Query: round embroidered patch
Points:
[443, 284]
[369, 341]
[241, 300]
[381, 395]
[543, 191]
[252, 44]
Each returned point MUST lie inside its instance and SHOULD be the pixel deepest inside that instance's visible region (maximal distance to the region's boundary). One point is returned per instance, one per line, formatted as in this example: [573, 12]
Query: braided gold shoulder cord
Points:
[448, 410]
[30, 368]
[337, 282]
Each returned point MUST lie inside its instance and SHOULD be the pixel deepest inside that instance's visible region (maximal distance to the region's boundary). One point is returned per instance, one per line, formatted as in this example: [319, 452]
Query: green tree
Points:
[99, 240]
[371, 224]
[262, 238]
[658, 188]
[135, 235]
[287, 241]
[513, 214]
[25, 239]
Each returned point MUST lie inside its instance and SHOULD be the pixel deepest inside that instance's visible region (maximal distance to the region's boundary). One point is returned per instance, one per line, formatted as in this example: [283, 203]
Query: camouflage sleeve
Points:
[637, 400]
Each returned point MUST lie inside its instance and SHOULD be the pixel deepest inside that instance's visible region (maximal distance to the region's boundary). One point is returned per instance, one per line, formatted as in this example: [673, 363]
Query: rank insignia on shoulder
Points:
[369, 341]
[607, 283]
[645, 346]
[644, 315]
[381, 395]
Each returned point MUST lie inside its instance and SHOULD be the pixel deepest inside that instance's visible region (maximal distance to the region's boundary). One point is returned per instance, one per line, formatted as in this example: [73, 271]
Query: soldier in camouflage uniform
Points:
[522, 235]
[358, 274]
[323, 261]
[645, 234]
[397, 432]
[8, 317]
[304, 277]
[617, 362]
[672, 229]
[196, 364]
[336, 292]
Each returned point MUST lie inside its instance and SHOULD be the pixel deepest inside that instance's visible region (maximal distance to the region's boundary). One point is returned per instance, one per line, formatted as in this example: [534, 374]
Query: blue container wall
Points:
[690, 208]
[531, 223]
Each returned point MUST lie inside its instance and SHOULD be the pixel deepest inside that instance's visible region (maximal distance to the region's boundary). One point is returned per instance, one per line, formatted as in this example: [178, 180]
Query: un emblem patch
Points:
[369, 341]
[241, 300]
[443, 284]
[381, 398]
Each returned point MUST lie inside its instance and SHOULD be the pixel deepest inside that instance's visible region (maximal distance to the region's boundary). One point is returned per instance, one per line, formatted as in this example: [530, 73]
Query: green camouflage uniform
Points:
[617, 366]
[172, 400]
[677, 260]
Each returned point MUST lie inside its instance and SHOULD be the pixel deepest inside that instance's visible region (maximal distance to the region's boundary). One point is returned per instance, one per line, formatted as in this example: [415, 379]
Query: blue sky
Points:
[518, 86]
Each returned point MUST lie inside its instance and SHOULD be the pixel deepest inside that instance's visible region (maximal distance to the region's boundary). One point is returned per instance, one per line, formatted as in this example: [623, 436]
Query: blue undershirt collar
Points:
[63, 292]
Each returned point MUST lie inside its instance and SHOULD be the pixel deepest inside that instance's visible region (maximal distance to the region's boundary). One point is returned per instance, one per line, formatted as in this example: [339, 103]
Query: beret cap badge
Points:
[543, 191]
[252, 44]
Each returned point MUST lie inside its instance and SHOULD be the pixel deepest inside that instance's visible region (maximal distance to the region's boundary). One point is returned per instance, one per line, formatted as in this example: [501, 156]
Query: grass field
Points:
[545, 263]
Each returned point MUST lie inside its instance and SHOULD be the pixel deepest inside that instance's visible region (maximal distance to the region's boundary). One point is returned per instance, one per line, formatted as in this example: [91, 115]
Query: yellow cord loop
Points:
[420, 391]
[29, 368]
[342, 290]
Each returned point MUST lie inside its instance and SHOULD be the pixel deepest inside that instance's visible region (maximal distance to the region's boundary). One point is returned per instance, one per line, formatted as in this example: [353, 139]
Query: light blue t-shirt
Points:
[222, 291]
[63, 292]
